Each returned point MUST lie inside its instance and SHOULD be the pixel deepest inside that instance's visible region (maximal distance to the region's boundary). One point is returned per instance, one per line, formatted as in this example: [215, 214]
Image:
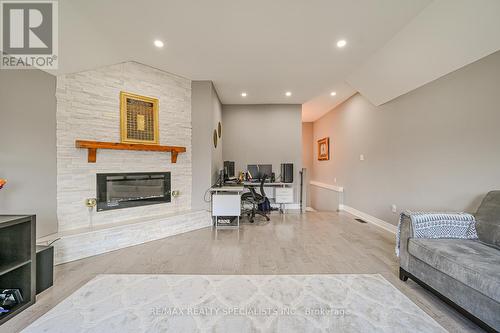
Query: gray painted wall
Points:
[436, 148]
[263, 134]
[307, 155]
[207, 160]
[217, 161]
[28, 146]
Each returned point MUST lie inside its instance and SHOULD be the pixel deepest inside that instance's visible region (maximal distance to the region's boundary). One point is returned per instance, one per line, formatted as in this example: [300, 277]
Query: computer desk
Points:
[226, 200]
[283, 193]
[279, 184]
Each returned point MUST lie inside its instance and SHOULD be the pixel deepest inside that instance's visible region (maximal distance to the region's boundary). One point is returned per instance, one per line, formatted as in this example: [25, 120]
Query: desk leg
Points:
[214, 221]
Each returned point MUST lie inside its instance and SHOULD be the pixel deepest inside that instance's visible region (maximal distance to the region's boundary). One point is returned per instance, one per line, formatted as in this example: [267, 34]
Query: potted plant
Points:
[2, 182]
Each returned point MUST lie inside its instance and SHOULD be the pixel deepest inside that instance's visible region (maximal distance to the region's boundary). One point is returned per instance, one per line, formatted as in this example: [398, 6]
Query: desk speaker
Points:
[287, 172]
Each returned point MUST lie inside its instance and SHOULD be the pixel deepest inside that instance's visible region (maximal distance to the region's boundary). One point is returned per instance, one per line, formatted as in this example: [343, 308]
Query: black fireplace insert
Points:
[122, 190]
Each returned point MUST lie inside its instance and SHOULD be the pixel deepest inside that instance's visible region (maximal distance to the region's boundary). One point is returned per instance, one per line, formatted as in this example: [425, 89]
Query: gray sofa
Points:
[464, 273]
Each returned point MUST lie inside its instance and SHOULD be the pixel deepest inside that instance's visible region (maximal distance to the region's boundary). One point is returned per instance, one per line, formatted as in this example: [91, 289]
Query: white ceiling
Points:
[262, 47]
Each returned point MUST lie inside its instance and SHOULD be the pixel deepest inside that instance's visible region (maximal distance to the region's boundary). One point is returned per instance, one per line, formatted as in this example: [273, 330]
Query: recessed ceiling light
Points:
[341, 43]
[288, 94]
[243, 94]
[158, 43]
[333, 93]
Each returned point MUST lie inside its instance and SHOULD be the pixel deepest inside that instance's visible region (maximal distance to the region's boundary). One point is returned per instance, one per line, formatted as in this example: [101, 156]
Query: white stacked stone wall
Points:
[101, 240]
[88, 108]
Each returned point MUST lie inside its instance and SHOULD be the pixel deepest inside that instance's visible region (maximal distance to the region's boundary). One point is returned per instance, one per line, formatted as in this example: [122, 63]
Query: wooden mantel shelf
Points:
[92, 147]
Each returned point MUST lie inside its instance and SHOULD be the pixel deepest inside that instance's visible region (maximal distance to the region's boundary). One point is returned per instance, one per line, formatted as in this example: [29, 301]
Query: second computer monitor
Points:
[260, 170]
[265, 170]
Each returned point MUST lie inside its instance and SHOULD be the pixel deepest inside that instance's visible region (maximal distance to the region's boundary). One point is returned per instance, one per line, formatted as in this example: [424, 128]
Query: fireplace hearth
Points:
[123, 190]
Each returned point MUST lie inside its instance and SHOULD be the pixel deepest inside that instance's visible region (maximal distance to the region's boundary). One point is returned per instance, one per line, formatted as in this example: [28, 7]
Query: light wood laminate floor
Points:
[311, 243]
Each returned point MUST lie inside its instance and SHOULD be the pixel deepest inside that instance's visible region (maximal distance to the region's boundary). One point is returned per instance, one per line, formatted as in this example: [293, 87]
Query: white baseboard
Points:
[371, 219]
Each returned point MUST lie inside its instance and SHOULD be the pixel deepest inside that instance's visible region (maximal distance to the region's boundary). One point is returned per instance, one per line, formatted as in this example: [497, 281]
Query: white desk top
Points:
[267, 184]
[227, 189]
[241, 187]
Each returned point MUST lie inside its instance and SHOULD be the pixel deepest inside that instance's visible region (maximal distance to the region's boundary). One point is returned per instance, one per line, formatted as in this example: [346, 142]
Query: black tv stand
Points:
[18, 259]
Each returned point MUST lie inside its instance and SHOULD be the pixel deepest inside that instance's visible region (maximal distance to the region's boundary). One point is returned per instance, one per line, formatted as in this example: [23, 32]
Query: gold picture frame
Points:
[324, 149]
[139, 119]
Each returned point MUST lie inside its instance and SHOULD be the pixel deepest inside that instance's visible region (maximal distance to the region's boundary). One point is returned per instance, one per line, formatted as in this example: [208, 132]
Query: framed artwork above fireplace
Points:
[138, 119]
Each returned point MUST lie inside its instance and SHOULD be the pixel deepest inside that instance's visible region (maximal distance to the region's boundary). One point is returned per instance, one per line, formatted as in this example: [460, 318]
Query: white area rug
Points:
[236, 303]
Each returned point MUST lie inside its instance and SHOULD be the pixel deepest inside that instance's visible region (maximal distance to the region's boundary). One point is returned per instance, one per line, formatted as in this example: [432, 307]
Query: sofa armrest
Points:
[406, 233]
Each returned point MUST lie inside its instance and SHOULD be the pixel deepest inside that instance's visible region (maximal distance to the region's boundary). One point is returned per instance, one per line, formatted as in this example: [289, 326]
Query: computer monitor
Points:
[265, 170]
[253, 169]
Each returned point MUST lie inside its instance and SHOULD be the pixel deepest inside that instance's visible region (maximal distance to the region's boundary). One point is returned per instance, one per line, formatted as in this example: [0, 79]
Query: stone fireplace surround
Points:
[85, 242]
[88, 109]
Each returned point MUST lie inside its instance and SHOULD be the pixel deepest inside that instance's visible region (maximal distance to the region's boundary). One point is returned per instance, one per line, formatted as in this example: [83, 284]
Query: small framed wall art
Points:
[324, 149]
[138, 119]
[215, 138]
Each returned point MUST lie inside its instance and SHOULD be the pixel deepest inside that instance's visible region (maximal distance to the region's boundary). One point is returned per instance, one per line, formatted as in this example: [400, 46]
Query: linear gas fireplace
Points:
[122, 190]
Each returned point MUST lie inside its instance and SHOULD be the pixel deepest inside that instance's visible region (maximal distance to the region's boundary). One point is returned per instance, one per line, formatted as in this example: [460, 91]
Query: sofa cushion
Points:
[471, 262]
[488, 219]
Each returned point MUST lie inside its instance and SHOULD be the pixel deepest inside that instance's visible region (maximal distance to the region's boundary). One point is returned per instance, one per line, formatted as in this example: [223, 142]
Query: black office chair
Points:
[255, 199]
